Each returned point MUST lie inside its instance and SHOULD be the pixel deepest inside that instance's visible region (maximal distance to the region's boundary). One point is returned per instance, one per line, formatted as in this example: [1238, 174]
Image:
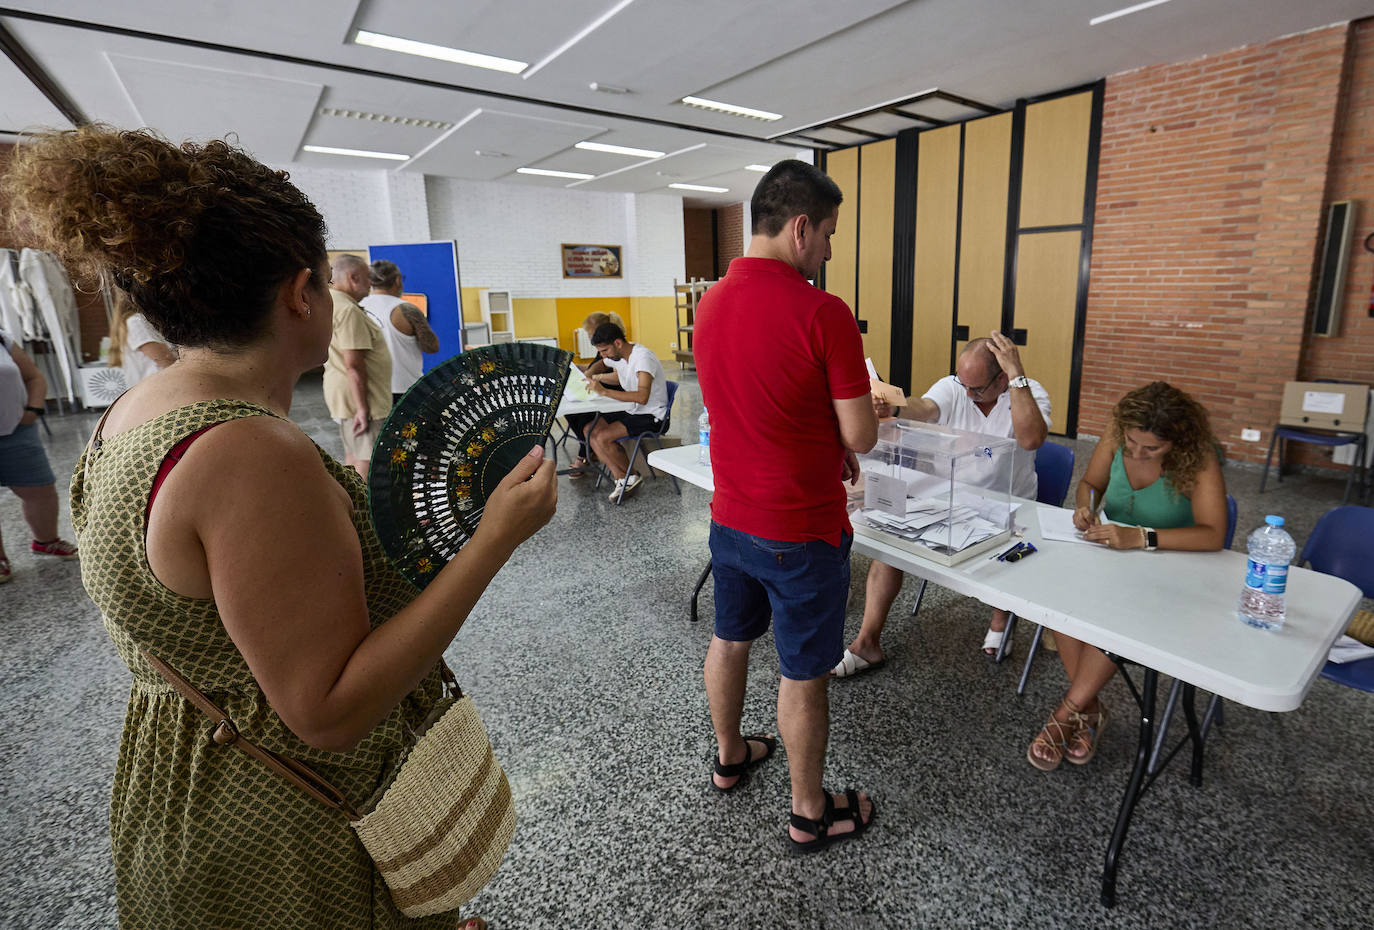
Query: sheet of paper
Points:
[1323, 402]
[1349, 649]
[578, 387]
[1057, 523]
[872, 372]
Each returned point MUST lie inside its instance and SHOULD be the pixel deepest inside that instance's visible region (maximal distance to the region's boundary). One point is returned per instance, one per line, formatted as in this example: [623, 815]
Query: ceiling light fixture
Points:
[550, 173]
[385, 118]
[357, 153]
[732, 109]
[702, 188]
[1127, 11]
[764, 168]
[484, 153]
[607, 88]
[617, 150]
[441, 52]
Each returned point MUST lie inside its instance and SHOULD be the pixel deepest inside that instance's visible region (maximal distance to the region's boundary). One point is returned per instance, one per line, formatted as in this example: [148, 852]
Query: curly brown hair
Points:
[199, 236]
[1175, 417]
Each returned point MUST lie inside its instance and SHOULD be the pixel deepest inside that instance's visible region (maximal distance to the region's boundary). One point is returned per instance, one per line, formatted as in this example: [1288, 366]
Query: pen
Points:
[1008, 551]
[1017, 556]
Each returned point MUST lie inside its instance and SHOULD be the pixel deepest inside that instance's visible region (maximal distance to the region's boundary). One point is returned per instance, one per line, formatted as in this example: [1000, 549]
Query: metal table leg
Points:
[1137, 784]
[701, 583]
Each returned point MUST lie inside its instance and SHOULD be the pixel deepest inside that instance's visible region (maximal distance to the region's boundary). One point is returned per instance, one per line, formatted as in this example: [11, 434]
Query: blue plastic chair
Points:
[1339, 545]
[639, 438]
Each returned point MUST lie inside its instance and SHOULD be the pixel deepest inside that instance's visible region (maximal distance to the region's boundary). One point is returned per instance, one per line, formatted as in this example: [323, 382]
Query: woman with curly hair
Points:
[1158, 477]
[216, 536]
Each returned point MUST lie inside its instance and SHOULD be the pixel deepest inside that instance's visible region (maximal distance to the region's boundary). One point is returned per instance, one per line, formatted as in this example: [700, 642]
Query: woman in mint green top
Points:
[1156, 472]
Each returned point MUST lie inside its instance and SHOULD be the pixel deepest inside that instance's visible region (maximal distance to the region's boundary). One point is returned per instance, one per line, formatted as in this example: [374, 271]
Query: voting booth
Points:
[1323, 413]
[940, 493]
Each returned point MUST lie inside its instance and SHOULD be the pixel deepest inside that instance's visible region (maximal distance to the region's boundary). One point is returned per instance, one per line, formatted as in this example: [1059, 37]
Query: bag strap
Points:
[226, 734]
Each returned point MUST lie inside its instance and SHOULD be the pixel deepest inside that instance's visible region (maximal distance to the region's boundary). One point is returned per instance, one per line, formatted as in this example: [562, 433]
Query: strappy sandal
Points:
[1086, 732]
[820, 829]
[1055, 742]
[738, 769]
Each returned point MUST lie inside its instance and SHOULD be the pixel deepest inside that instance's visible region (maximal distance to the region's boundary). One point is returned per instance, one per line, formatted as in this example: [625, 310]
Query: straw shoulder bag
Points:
[437, 831]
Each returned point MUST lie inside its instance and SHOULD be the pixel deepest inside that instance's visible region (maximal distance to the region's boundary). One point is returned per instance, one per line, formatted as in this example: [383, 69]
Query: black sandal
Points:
[739, 768]
[820, 829]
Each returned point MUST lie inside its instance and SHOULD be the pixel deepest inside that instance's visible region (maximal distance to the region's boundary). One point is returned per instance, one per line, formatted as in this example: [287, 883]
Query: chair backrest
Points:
[668, 416]
[1230, 521]
[1053, 471]
[1340, 545]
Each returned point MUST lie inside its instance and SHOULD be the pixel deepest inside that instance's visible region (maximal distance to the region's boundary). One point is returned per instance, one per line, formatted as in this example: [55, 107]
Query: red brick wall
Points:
[1349, 356]
[729, 234]
[1209, 204]
[700, 247]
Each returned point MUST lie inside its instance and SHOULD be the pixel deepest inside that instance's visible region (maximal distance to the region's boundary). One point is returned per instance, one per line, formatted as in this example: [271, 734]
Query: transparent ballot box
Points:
[940, 493]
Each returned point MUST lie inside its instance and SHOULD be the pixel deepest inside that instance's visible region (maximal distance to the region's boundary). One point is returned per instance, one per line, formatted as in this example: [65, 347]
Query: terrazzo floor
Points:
[588, 675]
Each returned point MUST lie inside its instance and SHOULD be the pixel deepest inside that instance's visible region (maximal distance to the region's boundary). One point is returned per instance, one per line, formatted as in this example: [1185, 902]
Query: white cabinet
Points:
[498, 313]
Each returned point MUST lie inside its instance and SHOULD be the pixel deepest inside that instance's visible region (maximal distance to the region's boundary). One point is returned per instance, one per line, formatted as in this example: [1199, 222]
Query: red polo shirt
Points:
[772, 352]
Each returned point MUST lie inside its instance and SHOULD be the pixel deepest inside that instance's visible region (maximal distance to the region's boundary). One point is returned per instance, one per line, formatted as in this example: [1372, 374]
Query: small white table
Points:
[571, 406]
[1170, 612]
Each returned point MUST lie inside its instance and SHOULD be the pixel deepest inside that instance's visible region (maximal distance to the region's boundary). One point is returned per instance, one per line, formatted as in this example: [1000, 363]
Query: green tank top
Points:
[1159, 505]
[204, 836]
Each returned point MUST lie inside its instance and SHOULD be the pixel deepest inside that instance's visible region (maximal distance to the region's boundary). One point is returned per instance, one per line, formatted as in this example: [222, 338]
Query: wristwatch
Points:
[1019, 381]
[1151, 540]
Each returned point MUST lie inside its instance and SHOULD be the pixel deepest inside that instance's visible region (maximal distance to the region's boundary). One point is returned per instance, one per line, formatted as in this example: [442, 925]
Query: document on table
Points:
[579, 388]
[1057, 523]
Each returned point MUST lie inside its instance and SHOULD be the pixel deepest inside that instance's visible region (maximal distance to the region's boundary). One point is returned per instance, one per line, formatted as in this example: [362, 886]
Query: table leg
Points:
[701, 583]
[1194, 733]
[1134, 788]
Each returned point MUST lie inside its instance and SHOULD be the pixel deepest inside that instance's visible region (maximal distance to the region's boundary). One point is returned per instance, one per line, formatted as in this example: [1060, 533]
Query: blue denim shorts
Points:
[804, 585]
[23, 463]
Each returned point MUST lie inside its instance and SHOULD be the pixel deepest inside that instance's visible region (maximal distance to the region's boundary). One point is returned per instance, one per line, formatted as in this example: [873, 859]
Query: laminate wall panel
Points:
[983, 226]
[1055, 161]
[1046, 296]
[840, 271]
[937, 223]
[877, 181]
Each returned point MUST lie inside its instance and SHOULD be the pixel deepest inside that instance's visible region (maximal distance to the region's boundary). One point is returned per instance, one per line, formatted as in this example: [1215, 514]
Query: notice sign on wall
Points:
[591, 261]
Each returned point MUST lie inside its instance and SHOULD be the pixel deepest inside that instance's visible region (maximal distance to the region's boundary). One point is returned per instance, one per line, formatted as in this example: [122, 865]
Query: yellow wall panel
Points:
[537, 317]
[937, 209]
[983, 232]
[655, 325]
[1046, 298]
[1054, 161]
[472, 304]
[573, 310]
[843, 168]
[877, 183]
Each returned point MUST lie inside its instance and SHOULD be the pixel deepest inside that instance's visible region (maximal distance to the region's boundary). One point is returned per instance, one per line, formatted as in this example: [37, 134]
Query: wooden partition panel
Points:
[937, 222]
[983, 226]
[1055, 161]
[876, 185]
[1046, 296]
[840, 271]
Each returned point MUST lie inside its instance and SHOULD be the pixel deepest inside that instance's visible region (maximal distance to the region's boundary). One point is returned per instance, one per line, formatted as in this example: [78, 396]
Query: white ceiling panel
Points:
[22, 106]
[680, 167]
[527, 138]
[189, 102]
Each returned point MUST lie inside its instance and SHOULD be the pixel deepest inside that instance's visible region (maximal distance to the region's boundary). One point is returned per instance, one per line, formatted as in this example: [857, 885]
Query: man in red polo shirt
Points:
[781, 367]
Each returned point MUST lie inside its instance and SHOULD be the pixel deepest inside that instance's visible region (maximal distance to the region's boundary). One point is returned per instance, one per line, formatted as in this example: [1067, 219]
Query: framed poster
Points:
[591, 261]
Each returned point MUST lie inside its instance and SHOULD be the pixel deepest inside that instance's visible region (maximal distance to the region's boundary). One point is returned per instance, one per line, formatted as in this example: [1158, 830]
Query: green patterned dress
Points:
[203, 836]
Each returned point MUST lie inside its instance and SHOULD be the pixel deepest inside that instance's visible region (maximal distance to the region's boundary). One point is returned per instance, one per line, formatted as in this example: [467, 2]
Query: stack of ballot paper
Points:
[1349, 649]
[932, 522]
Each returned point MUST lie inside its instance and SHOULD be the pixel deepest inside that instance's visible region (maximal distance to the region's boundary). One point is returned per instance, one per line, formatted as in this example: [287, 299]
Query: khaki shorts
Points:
[359, 448]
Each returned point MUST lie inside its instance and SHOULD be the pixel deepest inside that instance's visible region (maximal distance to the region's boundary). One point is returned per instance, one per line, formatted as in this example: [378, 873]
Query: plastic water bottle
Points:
[704, 434]
[1266, 575]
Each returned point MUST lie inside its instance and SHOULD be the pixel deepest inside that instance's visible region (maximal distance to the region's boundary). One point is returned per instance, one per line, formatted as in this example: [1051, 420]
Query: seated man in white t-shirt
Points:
[639, 376]
[989, 393]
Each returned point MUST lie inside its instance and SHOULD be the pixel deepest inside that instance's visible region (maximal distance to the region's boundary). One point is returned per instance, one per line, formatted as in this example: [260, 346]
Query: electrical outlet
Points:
[1250, 435]
[673, 346]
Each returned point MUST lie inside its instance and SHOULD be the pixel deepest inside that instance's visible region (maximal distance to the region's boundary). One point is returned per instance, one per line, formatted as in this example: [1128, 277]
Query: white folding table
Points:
[571, 406]
[1169, 612]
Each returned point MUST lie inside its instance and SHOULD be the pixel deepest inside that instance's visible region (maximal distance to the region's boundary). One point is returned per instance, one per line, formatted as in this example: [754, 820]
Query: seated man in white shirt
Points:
[639, 376]
[989, 393]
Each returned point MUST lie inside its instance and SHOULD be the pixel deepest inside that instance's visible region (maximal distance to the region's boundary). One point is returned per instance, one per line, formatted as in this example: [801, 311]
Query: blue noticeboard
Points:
[431, 268]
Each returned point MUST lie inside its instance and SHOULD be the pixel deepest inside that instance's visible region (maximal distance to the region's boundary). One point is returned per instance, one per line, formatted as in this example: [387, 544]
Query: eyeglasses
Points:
[977, 390]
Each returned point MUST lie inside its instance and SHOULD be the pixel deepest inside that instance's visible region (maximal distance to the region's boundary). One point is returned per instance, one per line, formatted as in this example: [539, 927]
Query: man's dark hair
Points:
[790, 189]
[606, 334]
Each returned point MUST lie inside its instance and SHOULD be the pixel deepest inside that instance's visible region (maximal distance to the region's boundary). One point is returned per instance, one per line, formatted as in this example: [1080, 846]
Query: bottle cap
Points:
[1274, 520]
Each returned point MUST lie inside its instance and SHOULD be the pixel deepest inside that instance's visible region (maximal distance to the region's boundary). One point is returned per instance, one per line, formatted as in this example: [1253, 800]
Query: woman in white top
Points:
[408, 333]
[135, 347]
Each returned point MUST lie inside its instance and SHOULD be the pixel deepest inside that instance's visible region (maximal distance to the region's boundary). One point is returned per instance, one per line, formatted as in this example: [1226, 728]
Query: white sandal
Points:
[852, 664]
[993, 641]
